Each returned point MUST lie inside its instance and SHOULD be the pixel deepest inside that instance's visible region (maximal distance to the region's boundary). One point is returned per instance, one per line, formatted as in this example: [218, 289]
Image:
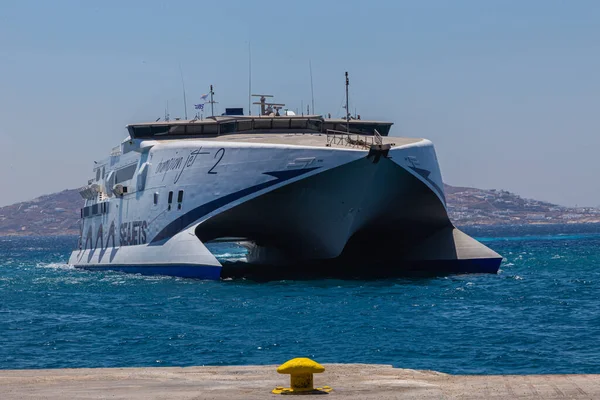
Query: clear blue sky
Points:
[509, 91]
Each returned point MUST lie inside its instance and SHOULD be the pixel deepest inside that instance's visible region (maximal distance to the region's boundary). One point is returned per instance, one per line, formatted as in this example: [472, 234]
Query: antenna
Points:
[266, 108]
[184, 98]
[212, 102]
[347, 110]
[249, 79]
[312, 93]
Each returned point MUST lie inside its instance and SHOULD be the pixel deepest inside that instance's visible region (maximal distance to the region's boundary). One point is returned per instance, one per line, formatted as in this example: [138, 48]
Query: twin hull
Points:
[296, 207]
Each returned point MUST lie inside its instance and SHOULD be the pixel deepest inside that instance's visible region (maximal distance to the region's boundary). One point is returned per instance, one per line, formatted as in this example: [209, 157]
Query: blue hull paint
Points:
[362, 269]
[308, 271]
[209, 272]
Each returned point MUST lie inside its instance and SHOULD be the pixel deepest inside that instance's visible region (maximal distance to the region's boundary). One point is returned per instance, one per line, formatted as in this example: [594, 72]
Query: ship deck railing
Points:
[352, 139]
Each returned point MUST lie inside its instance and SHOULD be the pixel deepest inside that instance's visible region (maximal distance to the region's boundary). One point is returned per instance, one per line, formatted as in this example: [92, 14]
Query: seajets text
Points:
[133, 233]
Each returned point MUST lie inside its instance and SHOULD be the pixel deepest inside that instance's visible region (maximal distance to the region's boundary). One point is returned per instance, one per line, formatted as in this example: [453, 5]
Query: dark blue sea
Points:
[540, 314]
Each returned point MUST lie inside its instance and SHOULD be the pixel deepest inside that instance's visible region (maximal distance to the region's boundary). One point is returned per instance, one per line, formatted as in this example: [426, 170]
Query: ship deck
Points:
[304, 139]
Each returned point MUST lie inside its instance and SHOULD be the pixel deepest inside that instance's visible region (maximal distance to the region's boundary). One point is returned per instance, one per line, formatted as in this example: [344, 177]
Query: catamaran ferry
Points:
[301, 192]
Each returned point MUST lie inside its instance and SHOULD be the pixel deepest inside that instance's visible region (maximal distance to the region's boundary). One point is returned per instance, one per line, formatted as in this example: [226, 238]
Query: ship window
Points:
[160, 130]
[95, 209]
[314, 125]
[227, 127]
[170, 197]
[281, 123]
[363, 129]
[194, 129]
[98, 174]
[263, 123]
[125, 173]
[298, 124]
[210, 129]
[155, 198]
[177, 130]
[244, 126]
[142, 131]
[86, 211]
[179, 199]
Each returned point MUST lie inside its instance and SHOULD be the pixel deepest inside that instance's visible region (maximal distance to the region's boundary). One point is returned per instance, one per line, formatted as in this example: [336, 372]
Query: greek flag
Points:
[199, 106]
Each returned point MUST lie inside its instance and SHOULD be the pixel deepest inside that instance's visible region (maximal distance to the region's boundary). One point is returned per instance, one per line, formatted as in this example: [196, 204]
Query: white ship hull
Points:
[297, 204]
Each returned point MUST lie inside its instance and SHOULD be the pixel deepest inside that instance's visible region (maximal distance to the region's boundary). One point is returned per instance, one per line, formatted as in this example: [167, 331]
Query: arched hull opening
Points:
[362, 218]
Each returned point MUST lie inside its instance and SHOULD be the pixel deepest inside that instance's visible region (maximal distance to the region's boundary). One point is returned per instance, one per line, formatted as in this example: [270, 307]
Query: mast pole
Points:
[212, 103]
[312, 93]
[347, 109]
[249, 79]
[184, 97]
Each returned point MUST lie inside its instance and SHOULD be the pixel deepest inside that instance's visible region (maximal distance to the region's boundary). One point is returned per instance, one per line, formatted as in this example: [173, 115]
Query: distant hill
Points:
[52, 214]
[471, 206]
[58, 213]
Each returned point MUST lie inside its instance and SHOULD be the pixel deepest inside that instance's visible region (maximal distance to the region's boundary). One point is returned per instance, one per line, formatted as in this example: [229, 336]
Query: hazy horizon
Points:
[508, 91]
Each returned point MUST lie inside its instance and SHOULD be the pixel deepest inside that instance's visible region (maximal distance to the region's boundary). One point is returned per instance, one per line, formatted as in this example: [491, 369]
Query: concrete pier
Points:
[349, 381]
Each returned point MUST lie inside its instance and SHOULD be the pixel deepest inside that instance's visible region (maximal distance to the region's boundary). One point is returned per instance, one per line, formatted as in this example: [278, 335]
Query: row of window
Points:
[102, 208]
[242, 125]
[226, 127]
[95, 209]
[122, 174]
[99, 173]
[170, 199]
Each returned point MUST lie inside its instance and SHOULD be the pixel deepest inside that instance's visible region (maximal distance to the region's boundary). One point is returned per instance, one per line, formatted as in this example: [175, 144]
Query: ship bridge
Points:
[239, 124]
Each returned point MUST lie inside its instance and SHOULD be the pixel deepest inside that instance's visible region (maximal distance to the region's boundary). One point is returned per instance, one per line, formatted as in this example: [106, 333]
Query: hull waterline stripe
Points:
[192, 216]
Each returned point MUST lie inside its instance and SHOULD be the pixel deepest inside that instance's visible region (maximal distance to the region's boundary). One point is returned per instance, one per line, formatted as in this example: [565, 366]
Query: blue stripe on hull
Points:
[184, 271]
[194, 215]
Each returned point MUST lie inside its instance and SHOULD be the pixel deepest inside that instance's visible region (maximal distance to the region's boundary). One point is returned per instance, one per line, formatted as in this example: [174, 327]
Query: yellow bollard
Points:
[301, 372]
